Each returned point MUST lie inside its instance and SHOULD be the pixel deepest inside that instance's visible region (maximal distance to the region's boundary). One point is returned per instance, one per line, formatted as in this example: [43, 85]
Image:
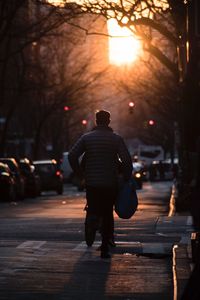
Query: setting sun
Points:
[124, 48]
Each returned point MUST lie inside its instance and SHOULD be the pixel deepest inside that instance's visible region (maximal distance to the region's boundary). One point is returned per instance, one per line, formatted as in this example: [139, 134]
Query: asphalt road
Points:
[43, 254]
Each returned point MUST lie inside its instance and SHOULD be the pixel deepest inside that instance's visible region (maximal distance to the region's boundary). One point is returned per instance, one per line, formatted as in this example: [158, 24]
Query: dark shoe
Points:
[112, 243]
[105, 250]
[105, 254]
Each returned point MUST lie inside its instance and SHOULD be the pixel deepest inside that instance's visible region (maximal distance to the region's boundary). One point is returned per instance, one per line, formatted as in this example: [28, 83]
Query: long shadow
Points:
[192, 289]
[89, 277]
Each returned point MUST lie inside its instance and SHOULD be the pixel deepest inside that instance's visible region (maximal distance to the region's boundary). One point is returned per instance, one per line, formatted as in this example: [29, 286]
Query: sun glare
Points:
[56, 2]
[124, 48]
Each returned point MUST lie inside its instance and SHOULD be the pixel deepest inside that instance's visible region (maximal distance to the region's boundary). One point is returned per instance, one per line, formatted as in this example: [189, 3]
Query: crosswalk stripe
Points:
[31, 244]
[82, 247]
[145, 248]
[153, 248]
[68, 221]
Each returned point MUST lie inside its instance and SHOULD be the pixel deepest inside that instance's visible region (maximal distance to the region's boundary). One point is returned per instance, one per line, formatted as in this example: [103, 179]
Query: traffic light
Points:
[151, 122]
[66, 108]
[131, 106]
[84, 122]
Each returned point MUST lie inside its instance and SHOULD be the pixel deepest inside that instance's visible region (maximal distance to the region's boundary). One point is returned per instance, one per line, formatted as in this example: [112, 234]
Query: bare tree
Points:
[150, 20]
[19, 29]
[154, 94]
[40, 69]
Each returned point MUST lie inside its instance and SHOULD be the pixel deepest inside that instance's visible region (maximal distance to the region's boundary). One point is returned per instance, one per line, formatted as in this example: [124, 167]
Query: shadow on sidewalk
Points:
[192, 289]
[88, 278]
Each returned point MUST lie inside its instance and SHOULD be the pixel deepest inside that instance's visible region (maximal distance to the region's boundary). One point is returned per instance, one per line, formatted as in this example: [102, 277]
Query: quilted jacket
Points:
[103, 150]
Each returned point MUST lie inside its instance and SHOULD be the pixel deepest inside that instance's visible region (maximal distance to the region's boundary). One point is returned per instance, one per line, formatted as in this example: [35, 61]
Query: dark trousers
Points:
[100, 201]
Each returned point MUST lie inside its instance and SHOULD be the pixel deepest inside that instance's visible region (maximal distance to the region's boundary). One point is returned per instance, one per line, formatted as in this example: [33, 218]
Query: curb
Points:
[182, 254]
[182, 269]
[186, 258]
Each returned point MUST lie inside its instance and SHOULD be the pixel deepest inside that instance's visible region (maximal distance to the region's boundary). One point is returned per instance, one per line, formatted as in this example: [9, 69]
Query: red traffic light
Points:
[84, 122]
[66, 108]
[151, 122]
[131, 104]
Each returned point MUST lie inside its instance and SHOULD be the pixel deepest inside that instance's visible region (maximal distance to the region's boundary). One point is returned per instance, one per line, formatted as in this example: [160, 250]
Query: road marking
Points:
[31, 244]
[162, 234]
[128, 243]
[83, 247]
[154, 248]
[67, 221]
[145, 248]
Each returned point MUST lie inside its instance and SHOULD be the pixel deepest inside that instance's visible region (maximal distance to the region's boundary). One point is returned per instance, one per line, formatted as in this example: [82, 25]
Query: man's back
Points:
[101, 159]
[102, 149]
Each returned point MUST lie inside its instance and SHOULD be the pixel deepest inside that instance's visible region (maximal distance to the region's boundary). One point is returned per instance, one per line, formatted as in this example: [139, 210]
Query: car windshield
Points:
[137, 166]
[45, 168]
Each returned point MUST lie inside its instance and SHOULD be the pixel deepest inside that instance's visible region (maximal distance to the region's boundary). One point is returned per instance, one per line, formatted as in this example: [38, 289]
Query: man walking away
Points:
[102, 149]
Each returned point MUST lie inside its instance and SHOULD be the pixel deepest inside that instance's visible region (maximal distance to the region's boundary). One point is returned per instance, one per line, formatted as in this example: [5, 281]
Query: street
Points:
[94, 89]
[43, 254]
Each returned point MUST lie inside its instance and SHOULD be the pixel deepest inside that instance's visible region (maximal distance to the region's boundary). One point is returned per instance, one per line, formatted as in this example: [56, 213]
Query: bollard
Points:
[195, 245]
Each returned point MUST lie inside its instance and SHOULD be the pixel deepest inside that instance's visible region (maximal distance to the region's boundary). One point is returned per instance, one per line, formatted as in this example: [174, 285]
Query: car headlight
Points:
[137, 175]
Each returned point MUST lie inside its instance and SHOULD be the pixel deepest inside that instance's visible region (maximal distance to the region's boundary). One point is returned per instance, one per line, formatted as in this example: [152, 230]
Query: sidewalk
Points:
[45, 257]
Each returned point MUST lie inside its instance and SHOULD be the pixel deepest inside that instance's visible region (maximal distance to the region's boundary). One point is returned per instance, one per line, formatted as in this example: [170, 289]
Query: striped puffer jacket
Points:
[102, 149]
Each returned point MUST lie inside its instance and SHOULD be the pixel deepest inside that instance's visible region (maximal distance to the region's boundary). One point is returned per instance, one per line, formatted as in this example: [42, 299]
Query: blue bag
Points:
[127, 201]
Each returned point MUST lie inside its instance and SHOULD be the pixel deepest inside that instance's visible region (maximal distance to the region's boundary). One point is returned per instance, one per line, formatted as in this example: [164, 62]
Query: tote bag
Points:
[127, 201]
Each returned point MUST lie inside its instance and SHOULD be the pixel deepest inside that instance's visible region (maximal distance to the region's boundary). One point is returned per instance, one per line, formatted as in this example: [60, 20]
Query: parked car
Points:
[51, 176]
[163, 170]
[16, 172]
[7, 184]
[31, 178]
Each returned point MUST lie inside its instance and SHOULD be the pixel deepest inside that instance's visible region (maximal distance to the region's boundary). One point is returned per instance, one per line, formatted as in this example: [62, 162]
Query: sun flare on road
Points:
[124, 48]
